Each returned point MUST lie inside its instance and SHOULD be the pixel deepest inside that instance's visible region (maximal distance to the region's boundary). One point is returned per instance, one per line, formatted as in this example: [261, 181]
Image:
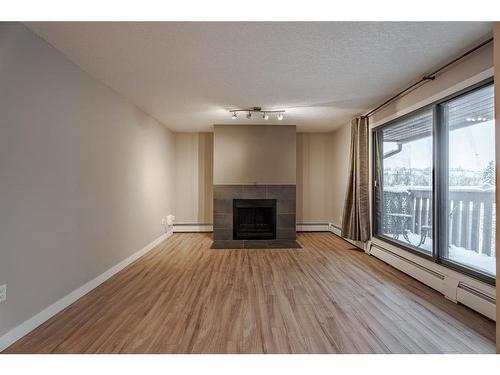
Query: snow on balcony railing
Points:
[471, 219]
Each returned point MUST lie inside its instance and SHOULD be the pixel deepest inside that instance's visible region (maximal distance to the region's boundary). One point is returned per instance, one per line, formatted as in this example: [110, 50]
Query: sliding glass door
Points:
[434, 182]
[470, 182]
[404, 199]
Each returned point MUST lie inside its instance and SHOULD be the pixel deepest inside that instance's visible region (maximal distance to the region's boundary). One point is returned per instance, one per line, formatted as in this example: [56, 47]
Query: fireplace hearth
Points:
[254, 219]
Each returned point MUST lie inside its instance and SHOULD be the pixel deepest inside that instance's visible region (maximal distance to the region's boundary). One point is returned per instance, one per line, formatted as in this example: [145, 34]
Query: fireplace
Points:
[254, 219]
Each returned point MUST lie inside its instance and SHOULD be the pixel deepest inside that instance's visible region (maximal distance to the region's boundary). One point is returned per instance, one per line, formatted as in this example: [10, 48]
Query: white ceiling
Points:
[187, 75]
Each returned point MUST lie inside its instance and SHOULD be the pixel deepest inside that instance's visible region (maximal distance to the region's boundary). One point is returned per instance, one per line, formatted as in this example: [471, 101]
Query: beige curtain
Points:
[356, 215]
[378, 174]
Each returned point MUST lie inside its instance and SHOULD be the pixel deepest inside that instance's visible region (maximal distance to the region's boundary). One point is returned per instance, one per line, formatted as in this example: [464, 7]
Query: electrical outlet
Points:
[3, 292]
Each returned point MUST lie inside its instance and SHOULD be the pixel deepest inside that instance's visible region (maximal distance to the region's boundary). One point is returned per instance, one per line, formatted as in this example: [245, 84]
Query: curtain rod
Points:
[428, 77]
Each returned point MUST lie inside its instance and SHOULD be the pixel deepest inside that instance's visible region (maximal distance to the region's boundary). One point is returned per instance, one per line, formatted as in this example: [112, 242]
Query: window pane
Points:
[404, 181]
[470, 202]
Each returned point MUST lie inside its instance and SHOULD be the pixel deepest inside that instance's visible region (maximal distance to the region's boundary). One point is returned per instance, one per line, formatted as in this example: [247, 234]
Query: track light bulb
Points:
[280, 116]
[234, 116]
[265, 116]
[249, 115]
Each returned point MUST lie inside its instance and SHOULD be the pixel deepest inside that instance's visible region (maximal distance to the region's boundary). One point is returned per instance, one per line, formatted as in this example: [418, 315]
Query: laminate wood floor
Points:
[327, 297]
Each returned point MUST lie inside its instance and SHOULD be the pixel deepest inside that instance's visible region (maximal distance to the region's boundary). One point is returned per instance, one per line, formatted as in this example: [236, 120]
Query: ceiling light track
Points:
[259, 110]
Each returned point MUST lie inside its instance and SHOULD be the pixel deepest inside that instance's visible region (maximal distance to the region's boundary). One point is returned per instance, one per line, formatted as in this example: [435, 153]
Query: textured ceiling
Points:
[187, 75]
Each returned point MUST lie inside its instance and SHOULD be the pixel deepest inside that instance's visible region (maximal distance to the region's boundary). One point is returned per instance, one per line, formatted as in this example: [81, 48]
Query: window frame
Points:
[439, 184]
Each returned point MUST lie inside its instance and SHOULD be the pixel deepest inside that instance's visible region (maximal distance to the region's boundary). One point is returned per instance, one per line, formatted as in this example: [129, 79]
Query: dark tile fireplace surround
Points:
[254, 216]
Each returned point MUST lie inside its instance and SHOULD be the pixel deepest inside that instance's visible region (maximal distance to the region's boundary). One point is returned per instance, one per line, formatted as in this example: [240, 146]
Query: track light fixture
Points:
[265, 114]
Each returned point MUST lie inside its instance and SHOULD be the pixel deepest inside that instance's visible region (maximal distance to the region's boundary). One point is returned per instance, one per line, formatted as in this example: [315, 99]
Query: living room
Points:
[248, 187]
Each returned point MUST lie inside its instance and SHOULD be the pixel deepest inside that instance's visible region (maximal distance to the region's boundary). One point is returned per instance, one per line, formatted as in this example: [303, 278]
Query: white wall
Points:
[341, 145]
[193, 178]
[255, 154]
[322, 159]
[431, 91]
[85, 176]
[316, 174]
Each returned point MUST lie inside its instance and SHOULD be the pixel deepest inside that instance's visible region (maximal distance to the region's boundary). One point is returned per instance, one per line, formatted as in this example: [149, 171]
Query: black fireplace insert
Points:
[254, 219]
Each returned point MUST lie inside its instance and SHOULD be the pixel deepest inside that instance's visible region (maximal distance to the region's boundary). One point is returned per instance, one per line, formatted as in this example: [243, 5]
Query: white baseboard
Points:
[180, 228]
[26, 327]
[336, 230]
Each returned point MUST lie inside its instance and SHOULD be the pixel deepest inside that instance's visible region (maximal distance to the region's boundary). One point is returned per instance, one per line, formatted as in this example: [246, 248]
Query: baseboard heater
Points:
[423, 268]
[195, 227]
[476, 292]
[301, 227]
[312, 227]
[476, 300]
[452, 289]
[423, 274]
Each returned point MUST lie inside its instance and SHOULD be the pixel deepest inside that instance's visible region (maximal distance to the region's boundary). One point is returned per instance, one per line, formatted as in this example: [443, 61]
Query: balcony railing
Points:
[471, 215]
